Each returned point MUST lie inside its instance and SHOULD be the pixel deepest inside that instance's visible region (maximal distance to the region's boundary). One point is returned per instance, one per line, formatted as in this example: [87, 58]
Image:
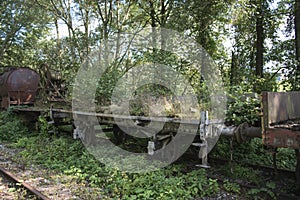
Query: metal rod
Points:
[245, 131]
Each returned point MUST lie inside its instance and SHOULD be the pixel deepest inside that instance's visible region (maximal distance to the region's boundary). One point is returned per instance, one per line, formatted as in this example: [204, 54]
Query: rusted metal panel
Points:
[283, 106]
[264, 116]
[284, 138]
[280, 108]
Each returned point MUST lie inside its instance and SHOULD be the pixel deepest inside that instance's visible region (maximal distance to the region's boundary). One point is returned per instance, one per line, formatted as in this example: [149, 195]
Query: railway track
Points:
[266, 174]
[271, 170]
[18, 182]
[279, 195]
[272, 174]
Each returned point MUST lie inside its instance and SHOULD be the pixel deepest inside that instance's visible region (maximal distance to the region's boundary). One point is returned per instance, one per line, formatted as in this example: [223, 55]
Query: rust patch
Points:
[282, 138]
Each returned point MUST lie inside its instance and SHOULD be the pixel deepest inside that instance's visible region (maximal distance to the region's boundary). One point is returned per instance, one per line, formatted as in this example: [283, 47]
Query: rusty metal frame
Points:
[21, 94]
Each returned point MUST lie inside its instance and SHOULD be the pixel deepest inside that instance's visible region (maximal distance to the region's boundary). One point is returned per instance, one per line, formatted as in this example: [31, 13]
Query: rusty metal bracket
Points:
[203, 152]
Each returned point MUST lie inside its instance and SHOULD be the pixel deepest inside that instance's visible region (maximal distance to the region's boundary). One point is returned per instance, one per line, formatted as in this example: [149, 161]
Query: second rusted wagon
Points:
[18, 86]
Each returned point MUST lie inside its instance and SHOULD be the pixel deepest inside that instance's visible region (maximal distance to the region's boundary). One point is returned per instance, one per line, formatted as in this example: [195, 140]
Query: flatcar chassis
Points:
[280, 126]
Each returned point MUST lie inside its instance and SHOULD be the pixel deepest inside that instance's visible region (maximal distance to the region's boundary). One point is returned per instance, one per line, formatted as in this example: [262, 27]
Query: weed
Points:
[263, 193]
[11, 127]
[231, 187]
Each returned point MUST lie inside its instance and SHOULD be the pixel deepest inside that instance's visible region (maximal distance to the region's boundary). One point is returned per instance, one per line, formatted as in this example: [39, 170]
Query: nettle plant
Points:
[243, 106]
[11, 127]
[244, 99]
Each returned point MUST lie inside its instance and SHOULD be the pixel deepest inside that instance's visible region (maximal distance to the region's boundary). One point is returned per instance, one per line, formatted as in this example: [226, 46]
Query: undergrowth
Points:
[11, 127]
[253, 152]
[70, 157]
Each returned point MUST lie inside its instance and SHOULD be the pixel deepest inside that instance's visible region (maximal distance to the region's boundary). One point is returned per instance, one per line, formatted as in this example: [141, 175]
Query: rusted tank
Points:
[18, 86]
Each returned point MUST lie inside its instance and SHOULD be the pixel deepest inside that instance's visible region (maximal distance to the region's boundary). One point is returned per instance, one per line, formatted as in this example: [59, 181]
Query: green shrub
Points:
[243, 105]
[231, 187]
[263, 193]
[71, 158]
[11, 127]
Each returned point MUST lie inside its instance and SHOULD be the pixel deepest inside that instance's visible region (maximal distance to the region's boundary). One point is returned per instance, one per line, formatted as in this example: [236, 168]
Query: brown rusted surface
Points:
[264, 117]
[18, 86]
[280, 109]
[285, 138]
[283, 106]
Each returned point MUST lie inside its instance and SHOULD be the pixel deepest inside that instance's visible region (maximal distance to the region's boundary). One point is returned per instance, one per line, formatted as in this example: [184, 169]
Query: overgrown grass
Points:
[254, 152]
[70, 157]
[11, 127]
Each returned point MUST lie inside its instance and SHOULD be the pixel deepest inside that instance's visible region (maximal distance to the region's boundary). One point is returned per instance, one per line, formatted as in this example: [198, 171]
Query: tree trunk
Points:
[71, 32]
[154, 33]
[118, 29]
[86, 30]
[58, 44]
[296, 85]
[233, 69]
[163, 23]
[153, 23]
[259, 41]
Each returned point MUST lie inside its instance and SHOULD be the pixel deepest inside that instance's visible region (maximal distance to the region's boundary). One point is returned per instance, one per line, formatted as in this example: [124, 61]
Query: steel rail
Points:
[25, 185]
[222, 161]
[278, 194]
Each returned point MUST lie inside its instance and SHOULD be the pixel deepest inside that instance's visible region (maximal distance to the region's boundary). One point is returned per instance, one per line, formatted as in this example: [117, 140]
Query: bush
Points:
[243, 106]
[11, 127]
[70, 157]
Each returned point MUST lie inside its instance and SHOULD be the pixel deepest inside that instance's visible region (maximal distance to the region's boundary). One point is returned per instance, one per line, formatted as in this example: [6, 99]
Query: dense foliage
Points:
[69, 157]
[255, 45]
[11, 127]
[61, 33]
[252, 42]
[253, 152]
